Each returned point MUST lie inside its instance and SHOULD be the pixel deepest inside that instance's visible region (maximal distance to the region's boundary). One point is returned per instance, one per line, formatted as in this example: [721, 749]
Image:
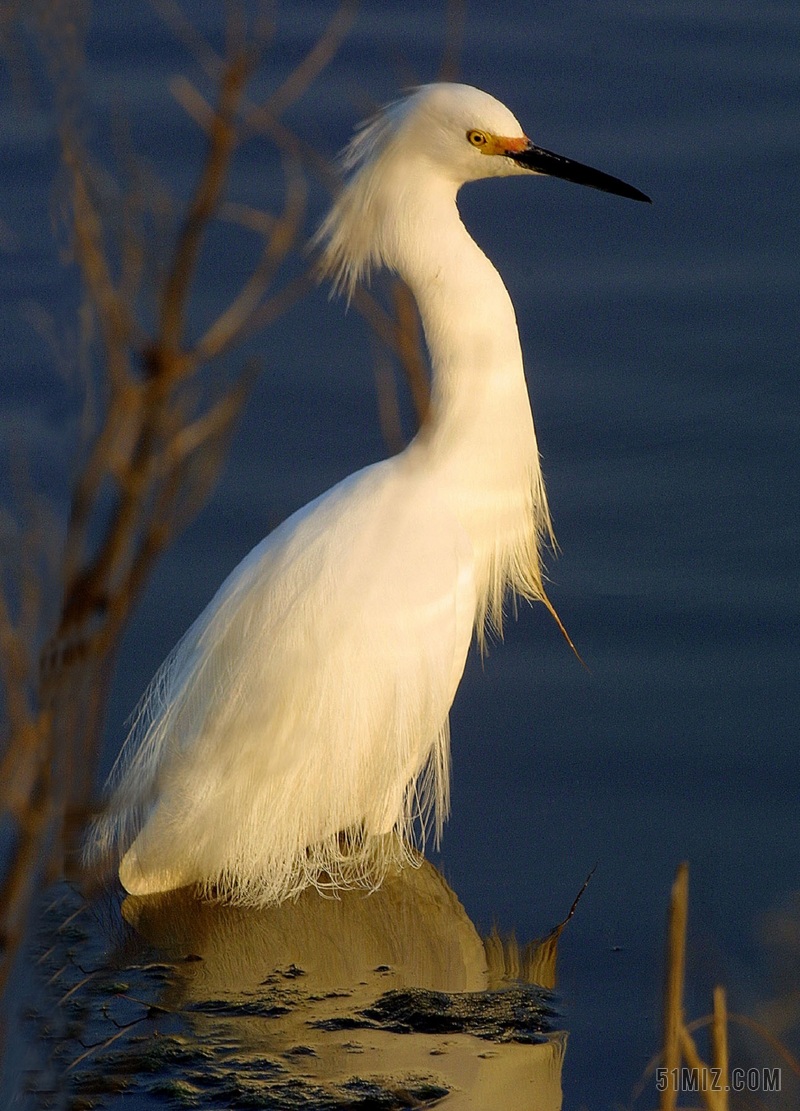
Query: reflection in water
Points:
[379, 1001]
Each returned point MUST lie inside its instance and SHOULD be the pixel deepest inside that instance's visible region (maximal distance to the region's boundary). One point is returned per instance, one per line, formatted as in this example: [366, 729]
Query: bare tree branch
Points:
[230, 325]
[185, 31]
[14, 669]
[155, 429]
[222, 141]
[320, 55]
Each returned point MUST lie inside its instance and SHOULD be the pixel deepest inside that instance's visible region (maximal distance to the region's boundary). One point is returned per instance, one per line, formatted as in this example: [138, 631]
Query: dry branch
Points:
[156, 427]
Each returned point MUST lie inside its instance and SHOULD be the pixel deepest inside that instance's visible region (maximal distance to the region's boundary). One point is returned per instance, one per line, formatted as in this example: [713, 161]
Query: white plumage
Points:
[298, 733]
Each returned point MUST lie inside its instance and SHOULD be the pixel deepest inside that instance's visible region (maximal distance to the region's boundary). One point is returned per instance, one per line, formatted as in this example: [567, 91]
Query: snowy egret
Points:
[298, 733]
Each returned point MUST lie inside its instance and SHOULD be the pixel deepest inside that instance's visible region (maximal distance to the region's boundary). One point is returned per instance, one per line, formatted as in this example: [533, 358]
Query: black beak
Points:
[555, 165]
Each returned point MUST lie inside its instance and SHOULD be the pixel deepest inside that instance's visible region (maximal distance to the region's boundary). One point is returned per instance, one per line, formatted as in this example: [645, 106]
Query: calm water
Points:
[661, 347]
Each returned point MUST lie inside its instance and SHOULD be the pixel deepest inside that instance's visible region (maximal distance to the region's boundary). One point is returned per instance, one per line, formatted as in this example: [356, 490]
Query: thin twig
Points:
[719, 1043]
[229, 326]
[320, 55]
[222, 142]
[673, 988]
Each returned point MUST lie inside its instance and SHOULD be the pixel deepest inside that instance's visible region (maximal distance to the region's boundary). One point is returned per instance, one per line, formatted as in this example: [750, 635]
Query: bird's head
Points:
[469, 135]
[445, 133]
[452, 129]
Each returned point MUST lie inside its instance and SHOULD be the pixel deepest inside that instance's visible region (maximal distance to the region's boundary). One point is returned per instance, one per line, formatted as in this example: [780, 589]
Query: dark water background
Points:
[661, 350]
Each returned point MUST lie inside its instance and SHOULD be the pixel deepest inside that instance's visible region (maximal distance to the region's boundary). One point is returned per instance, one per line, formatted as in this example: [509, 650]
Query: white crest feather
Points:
[350, 247]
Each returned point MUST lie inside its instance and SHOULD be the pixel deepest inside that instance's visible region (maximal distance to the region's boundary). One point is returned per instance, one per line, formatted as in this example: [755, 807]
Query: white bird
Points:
[298, 733]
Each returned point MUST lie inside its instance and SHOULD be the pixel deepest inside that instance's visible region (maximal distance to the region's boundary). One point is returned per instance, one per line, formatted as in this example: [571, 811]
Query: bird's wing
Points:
[327, 660]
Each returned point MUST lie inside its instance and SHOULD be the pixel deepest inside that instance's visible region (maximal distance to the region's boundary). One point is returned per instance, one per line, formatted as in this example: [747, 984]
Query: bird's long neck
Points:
[479, 437]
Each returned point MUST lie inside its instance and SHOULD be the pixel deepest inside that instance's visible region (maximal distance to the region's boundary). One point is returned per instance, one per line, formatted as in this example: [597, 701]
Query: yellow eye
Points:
[477, 138]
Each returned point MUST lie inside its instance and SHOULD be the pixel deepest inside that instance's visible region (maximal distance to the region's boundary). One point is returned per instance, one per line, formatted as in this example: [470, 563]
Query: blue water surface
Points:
[661, 349]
